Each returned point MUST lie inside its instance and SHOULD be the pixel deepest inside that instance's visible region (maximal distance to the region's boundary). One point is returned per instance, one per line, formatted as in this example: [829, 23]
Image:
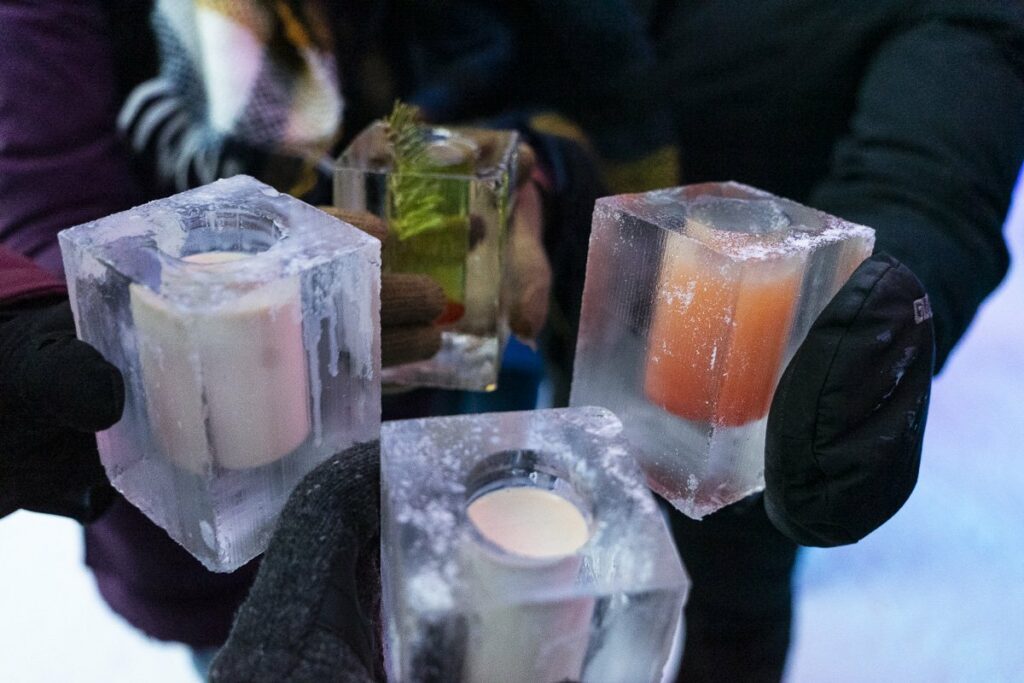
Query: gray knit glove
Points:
[313, 612]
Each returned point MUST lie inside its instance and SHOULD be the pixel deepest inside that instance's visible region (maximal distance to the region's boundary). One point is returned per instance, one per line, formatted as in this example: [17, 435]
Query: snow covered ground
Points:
[935, 596]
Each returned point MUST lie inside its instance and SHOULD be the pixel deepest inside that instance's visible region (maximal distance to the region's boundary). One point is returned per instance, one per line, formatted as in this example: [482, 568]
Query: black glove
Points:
[313, 612]
[847, 421]
[55, 392]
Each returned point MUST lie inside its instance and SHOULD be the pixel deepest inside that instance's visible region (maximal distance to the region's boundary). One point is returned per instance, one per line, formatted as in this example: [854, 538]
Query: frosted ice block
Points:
[695, 300]
[449, 222]
[523, 547]
[246, 325]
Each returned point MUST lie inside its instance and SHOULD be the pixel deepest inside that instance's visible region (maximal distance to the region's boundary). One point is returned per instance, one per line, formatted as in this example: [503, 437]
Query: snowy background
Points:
[937, 595]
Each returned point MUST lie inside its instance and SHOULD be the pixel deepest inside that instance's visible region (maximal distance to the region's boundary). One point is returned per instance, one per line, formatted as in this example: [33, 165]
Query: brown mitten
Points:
[372, 225]
[528, 273]
[527, 282]
[409, 304]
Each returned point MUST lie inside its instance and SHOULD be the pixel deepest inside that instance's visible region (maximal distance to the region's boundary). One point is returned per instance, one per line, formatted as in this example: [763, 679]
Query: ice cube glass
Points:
[695, 299]
[523, 547]
[246, 326]
[448, 221]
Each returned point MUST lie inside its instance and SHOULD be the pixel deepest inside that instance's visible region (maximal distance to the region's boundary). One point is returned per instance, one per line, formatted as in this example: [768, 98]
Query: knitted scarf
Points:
[243, 86]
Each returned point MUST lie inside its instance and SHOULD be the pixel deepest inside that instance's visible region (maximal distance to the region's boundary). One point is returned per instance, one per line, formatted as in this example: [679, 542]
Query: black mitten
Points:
[312, 614]
[847, 421]
[55, 392]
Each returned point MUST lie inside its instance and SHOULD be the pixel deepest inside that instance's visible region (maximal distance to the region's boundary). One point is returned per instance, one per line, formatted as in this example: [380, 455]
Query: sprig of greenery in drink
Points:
[428, 206]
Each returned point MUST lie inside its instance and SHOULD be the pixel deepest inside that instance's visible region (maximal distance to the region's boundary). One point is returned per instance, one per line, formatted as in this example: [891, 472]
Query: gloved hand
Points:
[409, 303]
[526, 285]
[527, 282]
[847, 421]
[312, 614]
[55, 392]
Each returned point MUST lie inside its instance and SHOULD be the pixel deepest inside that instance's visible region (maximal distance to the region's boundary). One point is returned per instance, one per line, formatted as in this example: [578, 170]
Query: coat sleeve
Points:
[61, 162]
[22, 280]
[932, 155]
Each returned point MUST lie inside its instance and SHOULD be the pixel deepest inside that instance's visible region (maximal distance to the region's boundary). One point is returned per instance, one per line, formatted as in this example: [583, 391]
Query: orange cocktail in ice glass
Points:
[720, 328]
[696, 297]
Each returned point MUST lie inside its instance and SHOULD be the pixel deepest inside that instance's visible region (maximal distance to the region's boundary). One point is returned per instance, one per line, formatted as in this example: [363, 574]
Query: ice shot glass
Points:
[695, 299]
[245, 324]
[523, 547]
[449, 222]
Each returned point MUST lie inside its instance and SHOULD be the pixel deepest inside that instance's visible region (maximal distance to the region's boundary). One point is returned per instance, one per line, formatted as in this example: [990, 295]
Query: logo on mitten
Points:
[922, 310]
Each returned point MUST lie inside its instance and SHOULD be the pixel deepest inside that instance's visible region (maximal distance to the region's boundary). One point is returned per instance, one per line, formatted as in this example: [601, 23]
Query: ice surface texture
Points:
[246, 325]
[695, 300]
[449, 223]
[460, 608]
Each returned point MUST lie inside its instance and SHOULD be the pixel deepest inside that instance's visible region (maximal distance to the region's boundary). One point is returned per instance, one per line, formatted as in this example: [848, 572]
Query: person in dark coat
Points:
[906, 117]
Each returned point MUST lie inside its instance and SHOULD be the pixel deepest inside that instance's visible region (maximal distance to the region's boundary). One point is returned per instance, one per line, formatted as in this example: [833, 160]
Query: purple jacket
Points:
[21, 280]
[60, 161]
[61, 164]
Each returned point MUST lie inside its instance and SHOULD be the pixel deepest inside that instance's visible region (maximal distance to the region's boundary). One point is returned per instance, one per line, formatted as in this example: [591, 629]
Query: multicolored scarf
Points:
[244, 86]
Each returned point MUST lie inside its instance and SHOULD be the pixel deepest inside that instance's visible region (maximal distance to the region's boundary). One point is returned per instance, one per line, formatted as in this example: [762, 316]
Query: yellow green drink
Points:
[429, 219]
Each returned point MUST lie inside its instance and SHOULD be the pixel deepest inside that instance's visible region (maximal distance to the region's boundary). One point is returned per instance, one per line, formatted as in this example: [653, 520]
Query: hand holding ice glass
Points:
[446, 197]
[695, 299]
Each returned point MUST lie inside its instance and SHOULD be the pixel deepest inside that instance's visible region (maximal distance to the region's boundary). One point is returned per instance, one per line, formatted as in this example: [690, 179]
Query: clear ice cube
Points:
[449, 223]
[523, 547]
[246, 325]
[695, 300]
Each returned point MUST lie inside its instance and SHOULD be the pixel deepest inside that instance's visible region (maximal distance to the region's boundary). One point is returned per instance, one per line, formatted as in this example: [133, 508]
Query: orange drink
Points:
[718, 334]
